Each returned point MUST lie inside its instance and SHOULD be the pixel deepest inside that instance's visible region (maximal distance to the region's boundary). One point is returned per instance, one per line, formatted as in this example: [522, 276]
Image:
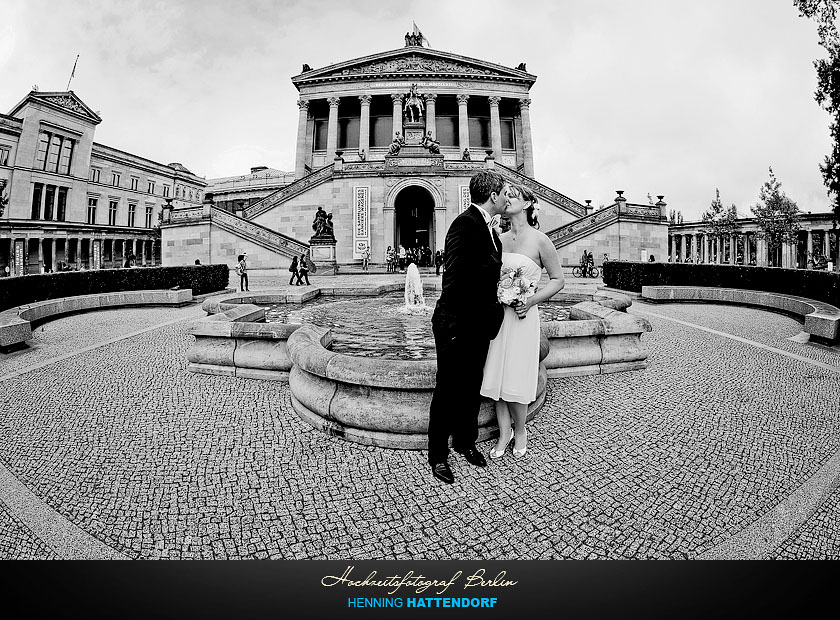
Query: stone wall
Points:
[623, 240]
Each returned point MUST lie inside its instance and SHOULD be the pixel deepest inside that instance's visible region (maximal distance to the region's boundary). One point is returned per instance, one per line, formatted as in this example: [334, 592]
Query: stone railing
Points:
[554, 197]
[290, 191]
[184, 216]
[581, 227]
[364, 166]
[288, 246]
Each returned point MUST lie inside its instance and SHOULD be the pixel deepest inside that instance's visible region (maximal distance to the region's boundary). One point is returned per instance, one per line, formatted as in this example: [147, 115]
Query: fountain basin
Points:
[378, 402]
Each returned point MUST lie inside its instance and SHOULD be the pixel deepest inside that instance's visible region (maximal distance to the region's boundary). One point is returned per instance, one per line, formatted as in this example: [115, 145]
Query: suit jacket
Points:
[473, 263]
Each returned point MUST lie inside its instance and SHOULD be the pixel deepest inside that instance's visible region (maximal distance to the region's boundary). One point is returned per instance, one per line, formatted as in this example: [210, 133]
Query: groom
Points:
[467, 317]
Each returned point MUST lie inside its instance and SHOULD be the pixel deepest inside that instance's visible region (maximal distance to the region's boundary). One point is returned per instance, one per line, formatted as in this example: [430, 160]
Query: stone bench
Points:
[16, 323]
[822, 320]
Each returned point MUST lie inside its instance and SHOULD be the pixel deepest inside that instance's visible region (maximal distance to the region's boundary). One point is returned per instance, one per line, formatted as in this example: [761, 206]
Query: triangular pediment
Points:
[413, 61]
[66, 101]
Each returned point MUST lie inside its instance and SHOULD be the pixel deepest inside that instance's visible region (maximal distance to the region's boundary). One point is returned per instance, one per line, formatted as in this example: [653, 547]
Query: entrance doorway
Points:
[414, 208]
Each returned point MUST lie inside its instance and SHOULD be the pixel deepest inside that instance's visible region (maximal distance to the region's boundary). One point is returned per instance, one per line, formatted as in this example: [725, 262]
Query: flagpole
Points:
[73, 72]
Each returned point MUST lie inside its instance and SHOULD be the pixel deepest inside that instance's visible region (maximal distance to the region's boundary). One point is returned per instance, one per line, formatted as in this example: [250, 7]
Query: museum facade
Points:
[71, 203]
[387, 144]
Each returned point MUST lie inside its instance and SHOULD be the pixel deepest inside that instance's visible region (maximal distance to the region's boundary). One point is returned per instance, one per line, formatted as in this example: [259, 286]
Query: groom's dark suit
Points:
[467, 317]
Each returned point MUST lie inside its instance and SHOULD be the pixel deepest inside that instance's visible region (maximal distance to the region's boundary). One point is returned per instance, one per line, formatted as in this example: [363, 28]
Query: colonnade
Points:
[304, 146]
[743, 248]
[77, 252]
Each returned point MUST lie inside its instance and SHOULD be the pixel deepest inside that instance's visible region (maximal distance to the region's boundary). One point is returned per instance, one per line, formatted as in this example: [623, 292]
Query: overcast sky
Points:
[673, 97]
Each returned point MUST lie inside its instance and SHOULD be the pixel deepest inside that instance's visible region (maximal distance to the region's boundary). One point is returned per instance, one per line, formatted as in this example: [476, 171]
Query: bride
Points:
[512, 366]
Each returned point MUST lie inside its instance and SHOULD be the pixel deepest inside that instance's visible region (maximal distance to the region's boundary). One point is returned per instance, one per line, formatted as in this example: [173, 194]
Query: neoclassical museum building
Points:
[67, 202]
[386, 144]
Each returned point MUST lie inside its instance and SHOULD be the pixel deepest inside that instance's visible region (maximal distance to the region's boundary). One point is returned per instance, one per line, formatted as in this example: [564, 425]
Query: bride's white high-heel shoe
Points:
[520, 453]
[497, 455]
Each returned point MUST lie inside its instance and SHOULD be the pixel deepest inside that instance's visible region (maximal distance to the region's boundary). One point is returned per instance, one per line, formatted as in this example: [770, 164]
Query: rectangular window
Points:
[66, 157]
[95, 174]
[41, 155]
[447, 130]
[149, 217]
[134, 183]
[348, 133]
[320, 141]
[115, 179]
[4, 156]
[380, 131]
[507, 134]
[49, 202]
[479, 133]
[166, 191]
[37, 189]
[61, 210]
[52, 154]
[92, 202]
[151, 187]
[112, 213]
[132, 211]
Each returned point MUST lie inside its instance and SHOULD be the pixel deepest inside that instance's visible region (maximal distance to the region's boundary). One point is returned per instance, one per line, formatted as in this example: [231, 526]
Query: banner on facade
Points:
[464, 200]
[96, 253]
[361, 221]
[20, 267]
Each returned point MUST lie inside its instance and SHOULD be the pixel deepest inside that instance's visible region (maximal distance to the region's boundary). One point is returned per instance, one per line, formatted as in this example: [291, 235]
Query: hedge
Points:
[19, 290]
[631, 276]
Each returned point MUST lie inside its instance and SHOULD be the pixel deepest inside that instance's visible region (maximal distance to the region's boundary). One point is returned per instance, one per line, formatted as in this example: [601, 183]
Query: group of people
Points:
[485, 348]
[402, 257]
[299, 270]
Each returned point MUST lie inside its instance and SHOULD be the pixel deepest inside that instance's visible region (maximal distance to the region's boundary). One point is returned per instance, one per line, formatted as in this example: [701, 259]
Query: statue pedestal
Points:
[414, 132]
[322, 253]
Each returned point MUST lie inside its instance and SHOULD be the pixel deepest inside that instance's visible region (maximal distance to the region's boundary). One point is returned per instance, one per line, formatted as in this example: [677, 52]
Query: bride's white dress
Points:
[513, 361]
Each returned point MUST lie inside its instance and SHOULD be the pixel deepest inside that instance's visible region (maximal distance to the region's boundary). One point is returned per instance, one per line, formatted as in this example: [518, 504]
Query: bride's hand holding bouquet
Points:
[515, 290]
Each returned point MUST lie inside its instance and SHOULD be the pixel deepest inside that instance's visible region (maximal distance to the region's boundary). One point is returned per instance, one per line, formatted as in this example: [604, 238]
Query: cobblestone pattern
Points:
[17, 542]
[770, 328]
[818, 538]
[77, 331]
[158, 462]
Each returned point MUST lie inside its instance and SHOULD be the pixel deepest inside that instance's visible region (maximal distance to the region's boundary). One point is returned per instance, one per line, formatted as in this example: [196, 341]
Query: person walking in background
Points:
[438, 262]
[293, 269]
[303, 273]
[401, 255]
[365, 258]
[242, 270]
[389, 260]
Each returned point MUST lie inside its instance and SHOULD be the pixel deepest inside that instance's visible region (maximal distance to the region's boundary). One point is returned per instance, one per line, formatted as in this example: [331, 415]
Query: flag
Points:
[420, 34]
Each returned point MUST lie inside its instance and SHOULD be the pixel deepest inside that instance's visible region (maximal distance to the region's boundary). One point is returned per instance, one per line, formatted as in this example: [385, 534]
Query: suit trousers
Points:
[456, 399]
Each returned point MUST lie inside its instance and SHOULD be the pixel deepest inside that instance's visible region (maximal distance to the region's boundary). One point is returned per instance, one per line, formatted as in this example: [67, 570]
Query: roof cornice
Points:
[472, 68]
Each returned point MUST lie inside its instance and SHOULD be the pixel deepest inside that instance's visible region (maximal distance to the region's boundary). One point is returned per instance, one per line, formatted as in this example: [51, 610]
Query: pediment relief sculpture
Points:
[415, 63]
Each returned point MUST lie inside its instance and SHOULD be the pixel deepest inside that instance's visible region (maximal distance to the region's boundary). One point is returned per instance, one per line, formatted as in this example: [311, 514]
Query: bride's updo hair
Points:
[528, 196]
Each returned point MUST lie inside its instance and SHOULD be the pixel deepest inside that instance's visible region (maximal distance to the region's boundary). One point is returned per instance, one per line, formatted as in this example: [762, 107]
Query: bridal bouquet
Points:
[513, 287]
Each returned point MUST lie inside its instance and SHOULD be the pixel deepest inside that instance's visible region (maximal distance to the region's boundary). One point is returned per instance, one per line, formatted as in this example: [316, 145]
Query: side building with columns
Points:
[387, 144]
[72, 203]
[692, 242]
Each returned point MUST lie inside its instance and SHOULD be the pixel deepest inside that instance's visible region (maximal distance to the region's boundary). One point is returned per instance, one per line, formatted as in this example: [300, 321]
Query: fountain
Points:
[385, 402]
[413, 288]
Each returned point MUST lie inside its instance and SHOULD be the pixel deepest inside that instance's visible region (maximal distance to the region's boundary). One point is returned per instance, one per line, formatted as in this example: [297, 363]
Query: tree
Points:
[720, 222]
[776, 215]
[824, 12]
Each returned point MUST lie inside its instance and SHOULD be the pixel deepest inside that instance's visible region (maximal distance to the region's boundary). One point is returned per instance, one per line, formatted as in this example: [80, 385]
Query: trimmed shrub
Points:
[818, 285]
[20, 290]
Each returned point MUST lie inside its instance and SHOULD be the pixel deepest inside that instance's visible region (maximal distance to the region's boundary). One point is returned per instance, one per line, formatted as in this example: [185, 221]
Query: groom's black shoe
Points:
[473, 456]
[442, 472]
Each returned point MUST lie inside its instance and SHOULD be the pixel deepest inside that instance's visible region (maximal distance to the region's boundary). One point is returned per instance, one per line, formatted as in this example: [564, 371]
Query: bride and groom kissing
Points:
[486, 347]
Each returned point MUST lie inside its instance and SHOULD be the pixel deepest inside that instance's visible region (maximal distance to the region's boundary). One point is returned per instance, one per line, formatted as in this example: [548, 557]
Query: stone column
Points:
[463, 124]
[671, 246]
[40, 255]
[527, 147]
[396, 114]
[826, 244]
[698, 244]
[495, 127]
[430, 114]
[364, 124]
[732, 249]
[332, 128]
[53, 252]
[708, 248]
[687, 247]
[809, 248]
[301, 146]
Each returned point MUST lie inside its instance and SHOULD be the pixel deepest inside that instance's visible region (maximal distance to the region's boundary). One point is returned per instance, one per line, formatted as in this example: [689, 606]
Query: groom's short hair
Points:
[483, 183]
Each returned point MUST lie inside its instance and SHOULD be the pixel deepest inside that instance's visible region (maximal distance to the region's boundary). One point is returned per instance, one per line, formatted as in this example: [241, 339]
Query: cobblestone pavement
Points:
[18, 542]
[157, 462]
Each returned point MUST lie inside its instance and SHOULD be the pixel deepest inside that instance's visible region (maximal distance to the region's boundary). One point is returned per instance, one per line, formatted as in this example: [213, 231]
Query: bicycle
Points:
[590, 272]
